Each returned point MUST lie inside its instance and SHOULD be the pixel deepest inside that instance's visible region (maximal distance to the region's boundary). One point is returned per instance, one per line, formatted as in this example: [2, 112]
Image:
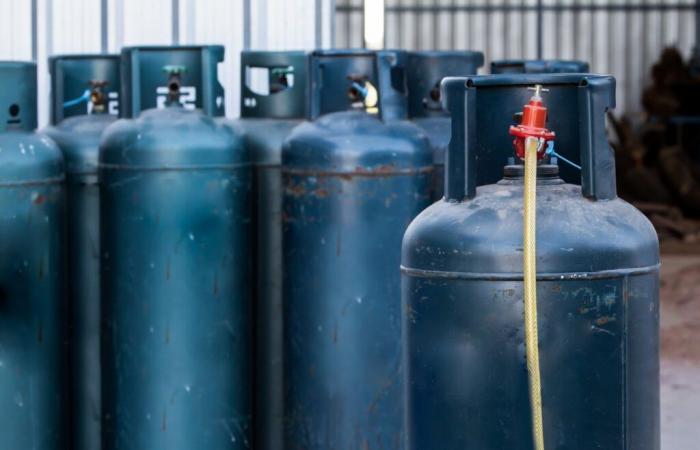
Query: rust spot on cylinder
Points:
[605, 319]
[38, 199]
[321, 193]
[385, 170]
[296, 190]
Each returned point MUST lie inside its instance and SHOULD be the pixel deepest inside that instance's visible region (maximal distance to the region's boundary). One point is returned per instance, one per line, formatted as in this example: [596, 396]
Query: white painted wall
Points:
[74, 26]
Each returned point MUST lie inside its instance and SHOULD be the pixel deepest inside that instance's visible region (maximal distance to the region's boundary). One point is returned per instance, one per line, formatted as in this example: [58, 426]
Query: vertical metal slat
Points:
[540, 27]
[175, 21]
[35, 31]
[104, 26]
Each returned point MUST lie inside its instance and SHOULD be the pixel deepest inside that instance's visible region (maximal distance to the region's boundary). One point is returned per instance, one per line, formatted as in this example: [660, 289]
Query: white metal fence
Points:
[36, 29]
[622, 37]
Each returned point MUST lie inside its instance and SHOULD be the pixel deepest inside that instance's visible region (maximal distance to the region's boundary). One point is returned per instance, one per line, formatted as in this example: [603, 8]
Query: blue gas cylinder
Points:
[33, 338]
[597, 290]
[354, 176]
[176, 266]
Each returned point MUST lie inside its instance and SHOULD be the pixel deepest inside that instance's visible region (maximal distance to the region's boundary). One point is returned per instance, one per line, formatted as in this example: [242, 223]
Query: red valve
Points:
[532, 125]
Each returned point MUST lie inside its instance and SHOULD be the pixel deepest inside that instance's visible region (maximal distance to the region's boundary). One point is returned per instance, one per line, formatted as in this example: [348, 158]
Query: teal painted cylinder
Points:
[32, 301]
[77, 131]
[176, 280]
[273, 102]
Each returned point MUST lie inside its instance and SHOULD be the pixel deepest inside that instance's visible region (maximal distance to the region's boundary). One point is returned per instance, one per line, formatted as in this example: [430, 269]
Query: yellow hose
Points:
[530, 287]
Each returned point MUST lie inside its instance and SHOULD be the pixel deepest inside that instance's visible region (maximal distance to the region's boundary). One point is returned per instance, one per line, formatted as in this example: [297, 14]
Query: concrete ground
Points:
[680, 351]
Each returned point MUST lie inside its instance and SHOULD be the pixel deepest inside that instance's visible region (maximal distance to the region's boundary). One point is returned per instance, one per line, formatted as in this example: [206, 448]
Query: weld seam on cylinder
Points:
[52, 180]
[518, 276]
[175, 168]
[369, 173]
[82, 178]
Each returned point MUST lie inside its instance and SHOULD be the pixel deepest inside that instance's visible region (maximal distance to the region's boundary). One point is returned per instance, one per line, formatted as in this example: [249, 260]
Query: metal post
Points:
[118, 23]
[104, 26]
[333, 15]
[246, 24]
[348, 29]
[48, 27]
[191, 14]
[540, 32]
[318, 25]
[175, 25]
[35, 30]
[364, 11]
[697, 28]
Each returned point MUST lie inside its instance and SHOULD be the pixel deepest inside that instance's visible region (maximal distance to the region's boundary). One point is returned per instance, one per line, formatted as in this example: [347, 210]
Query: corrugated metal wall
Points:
[622, 37]
[87, 26]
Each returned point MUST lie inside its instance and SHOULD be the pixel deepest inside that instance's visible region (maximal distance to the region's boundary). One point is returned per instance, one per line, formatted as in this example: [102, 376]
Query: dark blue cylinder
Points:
[538, 66]
[425, 71]
[597, 293]
[32, 251]
[77, 131]
[273, 102]
[354, 177]
[175, 236]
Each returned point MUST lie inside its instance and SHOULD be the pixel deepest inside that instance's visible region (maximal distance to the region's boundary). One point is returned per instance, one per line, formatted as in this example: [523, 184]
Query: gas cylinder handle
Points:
[595, 97]
[140, 89]
[460, 161]
[289, 103]
[72, 75]
[393, 99]
[596, 93]
[332, 71]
